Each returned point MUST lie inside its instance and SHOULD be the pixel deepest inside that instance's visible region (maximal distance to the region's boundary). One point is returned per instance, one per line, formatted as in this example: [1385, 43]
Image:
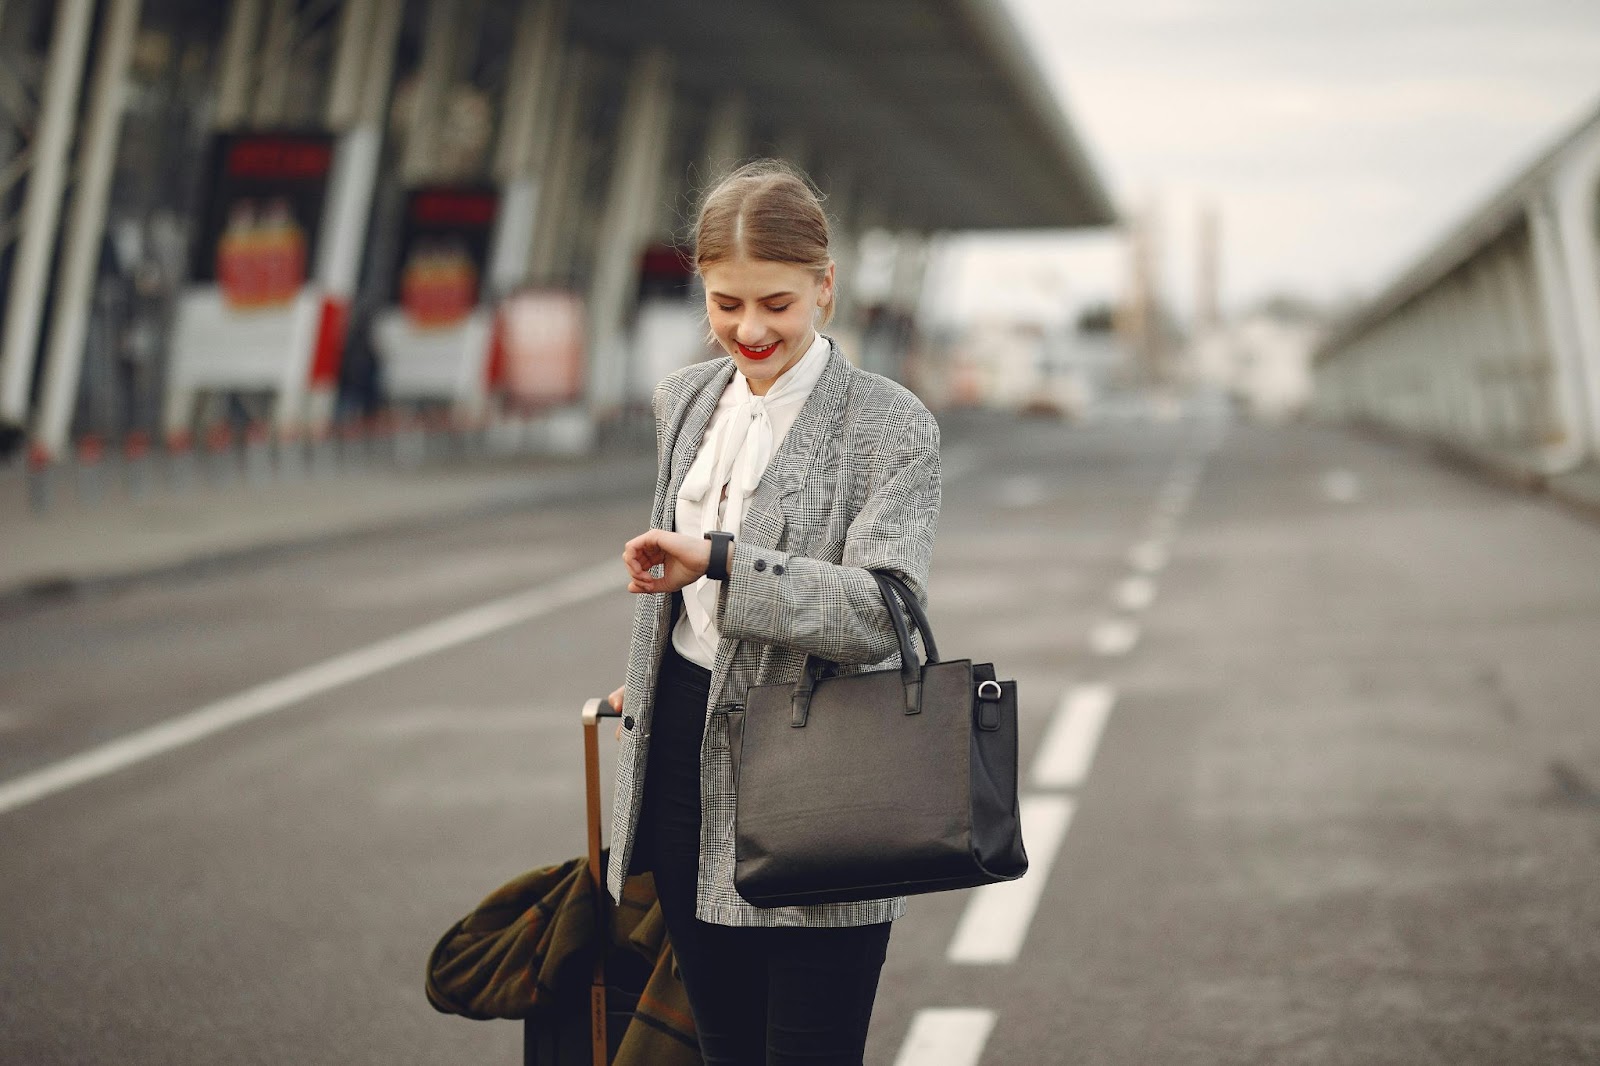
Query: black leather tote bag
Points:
[884, 783]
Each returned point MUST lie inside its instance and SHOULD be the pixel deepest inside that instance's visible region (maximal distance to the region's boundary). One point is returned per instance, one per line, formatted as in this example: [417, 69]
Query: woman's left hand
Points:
[683, 558]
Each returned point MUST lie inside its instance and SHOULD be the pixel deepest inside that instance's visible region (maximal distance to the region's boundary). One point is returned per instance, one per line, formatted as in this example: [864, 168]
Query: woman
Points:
[809, 473]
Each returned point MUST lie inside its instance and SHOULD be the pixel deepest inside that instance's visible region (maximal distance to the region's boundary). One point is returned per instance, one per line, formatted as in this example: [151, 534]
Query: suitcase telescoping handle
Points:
[593, 711]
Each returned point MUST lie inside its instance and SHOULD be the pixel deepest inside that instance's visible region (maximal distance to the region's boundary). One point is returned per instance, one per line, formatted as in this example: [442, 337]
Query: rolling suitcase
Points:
[617, 981]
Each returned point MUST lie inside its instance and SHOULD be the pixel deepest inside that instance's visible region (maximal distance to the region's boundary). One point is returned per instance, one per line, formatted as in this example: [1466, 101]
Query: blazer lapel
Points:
[795, 458]
[691, 431]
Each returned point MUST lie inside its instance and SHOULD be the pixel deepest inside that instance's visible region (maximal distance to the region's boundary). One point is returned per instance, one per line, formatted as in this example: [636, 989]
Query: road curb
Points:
[1577, 490]
[626, 474]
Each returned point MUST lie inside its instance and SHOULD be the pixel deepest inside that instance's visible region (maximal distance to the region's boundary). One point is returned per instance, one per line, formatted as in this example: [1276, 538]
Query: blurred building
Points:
[295, 211]
[1045, 367]
[1262, 358]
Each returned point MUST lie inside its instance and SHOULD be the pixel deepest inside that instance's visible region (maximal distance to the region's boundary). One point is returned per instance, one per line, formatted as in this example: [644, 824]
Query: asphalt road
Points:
[1310, 742]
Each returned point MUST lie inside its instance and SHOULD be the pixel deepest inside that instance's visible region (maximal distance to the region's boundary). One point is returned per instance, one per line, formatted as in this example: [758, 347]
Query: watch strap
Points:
[721, 545]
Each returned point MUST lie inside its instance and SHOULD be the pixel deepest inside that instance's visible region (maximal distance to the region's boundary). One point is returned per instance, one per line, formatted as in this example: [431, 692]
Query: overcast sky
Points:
[1338, 138]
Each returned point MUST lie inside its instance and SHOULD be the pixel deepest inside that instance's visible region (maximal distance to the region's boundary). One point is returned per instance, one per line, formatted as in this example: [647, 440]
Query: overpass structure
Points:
[563, 142]
[1490, 343]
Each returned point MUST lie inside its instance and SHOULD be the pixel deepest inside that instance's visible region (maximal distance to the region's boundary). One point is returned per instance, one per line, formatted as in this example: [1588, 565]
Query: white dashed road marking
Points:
[1135, 593]
[995, 923]
[1113, 636]
[1068, 749]
[948, 1036]
[1148, 556]
[274, 696]
[996, 920]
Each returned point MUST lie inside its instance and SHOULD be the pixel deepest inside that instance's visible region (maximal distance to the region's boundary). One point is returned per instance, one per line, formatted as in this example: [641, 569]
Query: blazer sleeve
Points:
[834, 611]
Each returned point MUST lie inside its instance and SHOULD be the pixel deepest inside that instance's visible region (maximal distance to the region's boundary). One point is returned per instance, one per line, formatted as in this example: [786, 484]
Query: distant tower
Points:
[1208, 280]
[1142, 324]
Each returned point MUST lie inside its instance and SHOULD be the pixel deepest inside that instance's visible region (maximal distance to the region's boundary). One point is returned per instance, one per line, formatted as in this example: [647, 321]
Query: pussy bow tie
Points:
[738, 449]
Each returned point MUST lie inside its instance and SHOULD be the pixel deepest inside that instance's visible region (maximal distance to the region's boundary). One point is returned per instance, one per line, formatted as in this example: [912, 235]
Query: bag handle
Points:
[893, 591]
[919, 618]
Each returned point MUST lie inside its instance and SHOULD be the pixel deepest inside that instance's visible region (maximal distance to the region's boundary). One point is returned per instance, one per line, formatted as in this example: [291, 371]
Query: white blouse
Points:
[744, 432]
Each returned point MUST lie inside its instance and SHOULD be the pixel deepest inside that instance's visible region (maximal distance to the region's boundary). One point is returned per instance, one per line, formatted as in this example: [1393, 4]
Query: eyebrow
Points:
[759, 299]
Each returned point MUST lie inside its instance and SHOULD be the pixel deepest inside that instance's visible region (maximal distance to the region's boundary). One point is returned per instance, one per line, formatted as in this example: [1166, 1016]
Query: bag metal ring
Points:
[989, 690]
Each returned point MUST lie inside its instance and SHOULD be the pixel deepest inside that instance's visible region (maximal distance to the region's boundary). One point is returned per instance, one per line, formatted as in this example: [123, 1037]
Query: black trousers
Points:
[760, 996]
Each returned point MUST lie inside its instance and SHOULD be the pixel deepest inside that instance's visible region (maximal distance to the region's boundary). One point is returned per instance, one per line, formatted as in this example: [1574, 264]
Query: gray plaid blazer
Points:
[853, 486]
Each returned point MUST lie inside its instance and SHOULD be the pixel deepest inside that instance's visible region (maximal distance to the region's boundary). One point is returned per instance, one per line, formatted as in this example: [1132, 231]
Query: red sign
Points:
[263, 209]
[279, 158]
[444, 252]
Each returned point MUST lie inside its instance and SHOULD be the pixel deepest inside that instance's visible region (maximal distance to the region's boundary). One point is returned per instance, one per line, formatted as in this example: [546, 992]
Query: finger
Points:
[637, 559]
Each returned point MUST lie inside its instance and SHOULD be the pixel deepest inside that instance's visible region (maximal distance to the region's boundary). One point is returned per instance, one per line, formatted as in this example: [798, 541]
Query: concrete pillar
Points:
[1576, 203]
[41, 207]
[355, 168]
[528, 111]
[842, 207]
[349, 62]
[359, 92]
[910, 270]
[1500, 349]
[1463, 342]
[277, 65]
[727, 134]
[641, 144]
[561, 181]
[378, 66]
[430, 88]
[86, 226]
[1531, 395]
[238, 63]
[1567, 377]
[529, 106]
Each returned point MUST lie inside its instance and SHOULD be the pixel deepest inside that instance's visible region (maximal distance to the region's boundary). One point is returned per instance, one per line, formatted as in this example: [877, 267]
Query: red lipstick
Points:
[751, 353]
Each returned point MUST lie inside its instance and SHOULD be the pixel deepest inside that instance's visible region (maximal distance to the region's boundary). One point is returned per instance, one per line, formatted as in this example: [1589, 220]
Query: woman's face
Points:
[764, 314]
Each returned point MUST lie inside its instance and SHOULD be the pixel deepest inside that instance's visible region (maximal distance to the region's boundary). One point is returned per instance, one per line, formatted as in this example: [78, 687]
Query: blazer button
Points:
[760, 564]
[627, 723]
[777, 568]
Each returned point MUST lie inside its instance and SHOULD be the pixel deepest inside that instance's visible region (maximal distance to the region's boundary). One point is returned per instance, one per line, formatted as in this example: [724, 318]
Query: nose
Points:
[749, 330]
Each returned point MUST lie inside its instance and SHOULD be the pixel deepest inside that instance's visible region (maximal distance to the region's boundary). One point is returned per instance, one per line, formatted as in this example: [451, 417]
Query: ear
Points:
[825, 294]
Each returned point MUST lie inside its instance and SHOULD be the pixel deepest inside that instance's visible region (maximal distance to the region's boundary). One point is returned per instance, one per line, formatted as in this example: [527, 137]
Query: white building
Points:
[1262, 359]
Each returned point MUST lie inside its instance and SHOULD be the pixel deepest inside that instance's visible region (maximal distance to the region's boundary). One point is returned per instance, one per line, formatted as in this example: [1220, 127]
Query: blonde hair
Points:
[766, 209]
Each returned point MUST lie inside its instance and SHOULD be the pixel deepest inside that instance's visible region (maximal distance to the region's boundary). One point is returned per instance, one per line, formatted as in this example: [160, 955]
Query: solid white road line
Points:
[947, 1036]
[1135, 593]
[302, 685]
[997, 917]
[1068, 749]
[1113, 636]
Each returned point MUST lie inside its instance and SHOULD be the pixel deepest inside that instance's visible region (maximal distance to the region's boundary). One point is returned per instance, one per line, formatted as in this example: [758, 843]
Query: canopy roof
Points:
[1501, 213]
[934, 106]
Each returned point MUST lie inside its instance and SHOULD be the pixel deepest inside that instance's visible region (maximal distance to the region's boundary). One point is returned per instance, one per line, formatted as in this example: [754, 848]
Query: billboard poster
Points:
[444, 251]
[262, 214]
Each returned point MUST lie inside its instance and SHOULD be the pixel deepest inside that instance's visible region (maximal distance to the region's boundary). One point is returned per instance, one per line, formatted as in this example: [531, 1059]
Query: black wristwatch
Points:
[721, 545]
